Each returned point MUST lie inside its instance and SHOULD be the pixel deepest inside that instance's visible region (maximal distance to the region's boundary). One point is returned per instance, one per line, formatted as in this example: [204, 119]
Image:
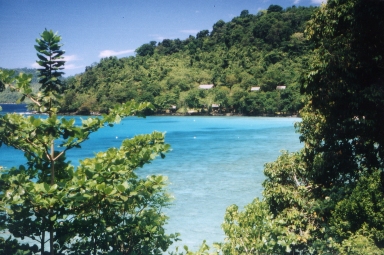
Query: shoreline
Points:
[199, 114]
[214, 114]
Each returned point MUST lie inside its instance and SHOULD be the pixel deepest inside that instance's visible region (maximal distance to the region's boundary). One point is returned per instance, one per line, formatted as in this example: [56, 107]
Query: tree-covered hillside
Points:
[264, 50]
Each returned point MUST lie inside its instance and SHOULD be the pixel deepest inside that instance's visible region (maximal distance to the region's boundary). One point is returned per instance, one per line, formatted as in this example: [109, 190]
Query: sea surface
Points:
[214, 162]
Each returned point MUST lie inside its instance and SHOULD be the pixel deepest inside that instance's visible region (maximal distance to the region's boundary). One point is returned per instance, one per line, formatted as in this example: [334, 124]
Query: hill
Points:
[264, 50]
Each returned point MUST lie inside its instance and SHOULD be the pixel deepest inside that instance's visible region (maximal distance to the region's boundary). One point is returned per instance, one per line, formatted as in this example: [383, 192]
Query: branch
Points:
[26, 95]
[61, 153]
[246, 250]
[296, 181]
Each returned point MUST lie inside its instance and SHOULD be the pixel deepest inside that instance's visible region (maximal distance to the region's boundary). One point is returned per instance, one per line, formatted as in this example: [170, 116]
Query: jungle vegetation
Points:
[328, 197]
[263, 50]
[324, 199]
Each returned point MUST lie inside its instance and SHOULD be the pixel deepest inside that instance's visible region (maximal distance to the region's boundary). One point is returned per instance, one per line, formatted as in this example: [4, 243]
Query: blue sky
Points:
[92, 29]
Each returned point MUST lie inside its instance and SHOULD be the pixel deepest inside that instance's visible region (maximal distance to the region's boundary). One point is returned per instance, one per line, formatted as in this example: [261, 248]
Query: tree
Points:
[230, 80]
[343, 117]
[344, 84]
[275, 8]
[277, 224]
[192, 99]
[327, 198]
[124, 210]
[202, 34]
[244, 13]
[146, 49]
[102, 198]
[220, 96]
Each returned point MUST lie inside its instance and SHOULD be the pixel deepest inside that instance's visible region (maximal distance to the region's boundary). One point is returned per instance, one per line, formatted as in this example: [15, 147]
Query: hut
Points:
[215, 108]
[255, 88]
[172, 108]
[206, 86]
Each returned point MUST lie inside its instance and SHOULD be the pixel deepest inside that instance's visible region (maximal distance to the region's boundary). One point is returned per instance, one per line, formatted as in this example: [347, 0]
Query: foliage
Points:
[264, 49]
[281, 223]
[97, 208]
[9, 96]
[12, 246]
[344, 84]
[328, 197]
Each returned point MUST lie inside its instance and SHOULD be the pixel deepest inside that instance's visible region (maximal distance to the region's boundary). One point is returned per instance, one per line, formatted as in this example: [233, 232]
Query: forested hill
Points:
[263, 50]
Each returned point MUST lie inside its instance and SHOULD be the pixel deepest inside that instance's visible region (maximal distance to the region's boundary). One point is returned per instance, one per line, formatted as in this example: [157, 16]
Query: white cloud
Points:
[67, 66]
[71, 58]
[35, 65]
[296, 2]
[108, 53]
[72, 66]
[158, 37]
[319, 1]
[191, 31]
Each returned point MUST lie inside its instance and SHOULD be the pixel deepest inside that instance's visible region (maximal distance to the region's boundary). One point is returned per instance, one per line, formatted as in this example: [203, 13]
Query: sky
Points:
[94, 29]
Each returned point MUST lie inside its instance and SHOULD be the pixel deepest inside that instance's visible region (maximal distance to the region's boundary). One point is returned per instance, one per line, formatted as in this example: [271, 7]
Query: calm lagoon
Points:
[214, 162]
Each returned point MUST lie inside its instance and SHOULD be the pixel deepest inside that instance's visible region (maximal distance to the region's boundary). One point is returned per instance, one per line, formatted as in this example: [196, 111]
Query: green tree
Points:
[124, 210]
[192, 99]
[146, 49]
[101, 206]
[327, 198]
[51, 61]
[344, 84]
[221, 97]
[343, 119]
[275, 8]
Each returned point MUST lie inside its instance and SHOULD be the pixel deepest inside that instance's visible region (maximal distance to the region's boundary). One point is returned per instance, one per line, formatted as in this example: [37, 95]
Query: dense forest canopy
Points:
[264, 50]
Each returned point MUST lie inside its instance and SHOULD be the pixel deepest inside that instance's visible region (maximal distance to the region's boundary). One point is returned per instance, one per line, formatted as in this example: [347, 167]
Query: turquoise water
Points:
[214, 162]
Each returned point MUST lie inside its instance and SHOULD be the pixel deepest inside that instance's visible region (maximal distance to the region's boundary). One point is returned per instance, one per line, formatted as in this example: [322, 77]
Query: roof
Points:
[280, 87]
[206, 86]
[215, 105]
[255, 88]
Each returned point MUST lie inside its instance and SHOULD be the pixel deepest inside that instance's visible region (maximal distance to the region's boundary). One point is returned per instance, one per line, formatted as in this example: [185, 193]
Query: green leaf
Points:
[121, 188]
[109, 190]
[46, 187]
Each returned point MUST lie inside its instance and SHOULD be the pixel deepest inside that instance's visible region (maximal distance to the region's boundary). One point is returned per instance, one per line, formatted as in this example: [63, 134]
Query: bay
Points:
[214, 162]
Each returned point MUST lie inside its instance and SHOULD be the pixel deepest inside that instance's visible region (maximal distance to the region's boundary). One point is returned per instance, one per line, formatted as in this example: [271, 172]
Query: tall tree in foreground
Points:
[328, 198]
[342, 127]
[100, 207]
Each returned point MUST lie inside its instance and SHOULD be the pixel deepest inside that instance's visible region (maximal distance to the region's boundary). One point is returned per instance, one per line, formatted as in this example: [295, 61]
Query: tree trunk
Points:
[42, 243]
[51, 210]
